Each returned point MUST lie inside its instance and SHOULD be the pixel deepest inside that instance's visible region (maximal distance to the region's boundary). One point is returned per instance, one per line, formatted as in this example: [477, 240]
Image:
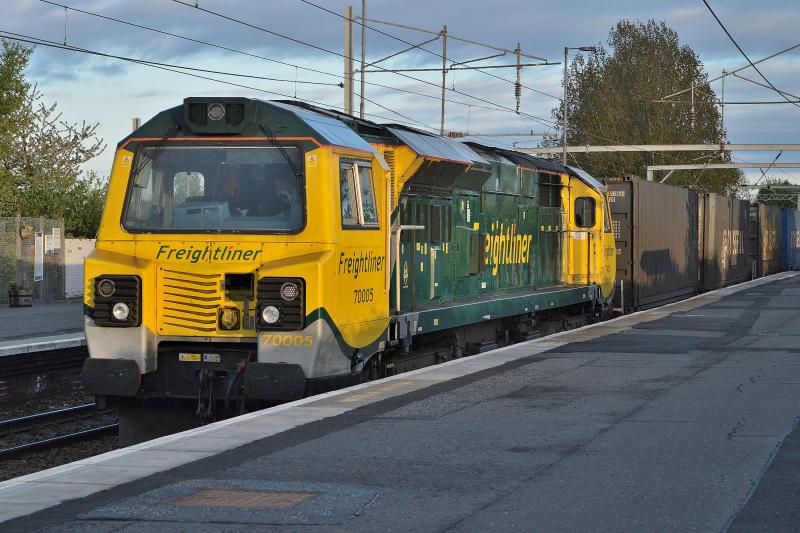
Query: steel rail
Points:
[11, 422]
[61, 439]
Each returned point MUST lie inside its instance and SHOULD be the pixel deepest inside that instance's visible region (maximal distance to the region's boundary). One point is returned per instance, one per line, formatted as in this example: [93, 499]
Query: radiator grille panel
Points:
[388, 155]
[188, 300]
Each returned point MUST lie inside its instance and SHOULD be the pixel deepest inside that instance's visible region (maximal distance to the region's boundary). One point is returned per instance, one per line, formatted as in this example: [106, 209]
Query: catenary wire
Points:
[541, 120]
[498, 107]
[420, 47]
[745, 55]
[170, 65]
[52, 44]
[257, 56]
[544, 121]
[333, 52]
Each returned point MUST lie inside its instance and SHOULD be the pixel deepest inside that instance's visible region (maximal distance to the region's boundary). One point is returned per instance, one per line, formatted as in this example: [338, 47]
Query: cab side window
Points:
[606, 219]
[347, 190]
[357, 195]
[367, 195]
[584, 212]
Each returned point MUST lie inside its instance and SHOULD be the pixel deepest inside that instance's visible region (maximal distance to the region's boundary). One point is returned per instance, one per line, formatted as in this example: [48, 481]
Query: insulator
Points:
[692, 117]
[517, 92]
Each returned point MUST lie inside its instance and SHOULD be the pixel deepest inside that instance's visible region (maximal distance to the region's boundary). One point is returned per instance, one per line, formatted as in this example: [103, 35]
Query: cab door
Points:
[583, 246]
[609, 257]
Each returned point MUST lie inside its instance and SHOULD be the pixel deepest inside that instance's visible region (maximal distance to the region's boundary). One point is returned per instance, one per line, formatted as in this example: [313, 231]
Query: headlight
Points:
[270, 314]
[289, 291]
[121, 311]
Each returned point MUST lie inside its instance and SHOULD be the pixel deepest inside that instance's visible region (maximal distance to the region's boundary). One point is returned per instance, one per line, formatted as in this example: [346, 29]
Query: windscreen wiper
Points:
[156, 151]
[274, 142]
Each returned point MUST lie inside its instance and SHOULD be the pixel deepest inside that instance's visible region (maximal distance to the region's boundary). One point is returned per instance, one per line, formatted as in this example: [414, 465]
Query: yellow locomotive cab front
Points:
[216, 254]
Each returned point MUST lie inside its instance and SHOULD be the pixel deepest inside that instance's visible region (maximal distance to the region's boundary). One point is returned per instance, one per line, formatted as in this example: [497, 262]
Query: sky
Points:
[111, 92]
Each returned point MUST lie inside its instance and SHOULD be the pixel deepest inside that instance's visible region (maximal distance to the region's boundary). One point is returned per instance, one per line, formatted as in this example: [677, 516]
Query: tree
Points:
[41, 154]
[13, 91]
[612, 100]
[772, 193]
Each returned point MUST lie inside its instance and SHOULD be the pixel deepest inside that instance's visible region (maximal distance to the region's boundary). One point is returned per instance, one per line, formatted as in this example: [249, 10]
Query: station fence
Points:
[32, 256]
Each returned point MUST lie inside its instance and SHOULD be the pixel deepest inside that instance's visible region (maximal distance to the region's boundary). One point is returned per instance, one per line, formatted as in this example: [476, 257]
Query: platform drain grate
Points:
[245, 499]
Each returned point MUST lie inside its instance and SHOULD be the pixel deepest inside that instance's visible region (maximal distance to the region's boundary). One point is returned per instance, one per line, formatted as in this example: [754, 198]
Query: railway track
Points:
[26, 376]
[52, 429]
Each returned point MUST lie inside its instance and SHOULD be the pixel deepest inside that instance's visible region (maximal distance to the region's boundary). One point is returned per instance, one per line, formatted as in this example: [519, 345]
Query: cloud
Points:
[149, 93]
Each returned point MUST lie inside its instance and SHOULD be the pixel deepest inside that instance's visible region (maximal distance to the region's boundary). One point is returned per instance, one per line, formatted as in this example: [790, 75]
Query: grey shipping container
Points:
[722, 241]
[655, 228]
[766, 255]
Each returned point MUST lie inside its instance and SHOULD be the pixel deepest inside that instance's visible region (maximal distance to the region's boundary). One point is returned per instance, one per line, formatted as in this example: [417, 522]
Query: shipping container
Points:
[722, 241]
[766, 250]
[655, 228]
[790, 236]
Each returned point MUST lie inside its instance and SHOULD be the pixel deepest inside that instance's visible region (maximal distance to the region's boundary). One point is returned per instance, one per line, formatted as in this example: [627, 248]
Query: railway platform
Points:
[679, 418]
[42, 327]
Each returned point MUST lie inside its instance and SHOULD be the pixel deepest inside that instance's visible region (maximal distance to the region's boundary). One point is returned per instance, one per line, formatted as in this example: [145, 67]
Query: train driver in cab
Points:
[230, 191]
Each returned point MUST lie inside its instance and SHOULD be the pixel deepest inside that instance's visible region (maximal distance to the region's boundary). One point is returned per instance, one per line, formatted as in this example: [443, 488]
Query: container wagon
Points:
[722, 241]
[656, 262]
[790, 237]
[766, 248]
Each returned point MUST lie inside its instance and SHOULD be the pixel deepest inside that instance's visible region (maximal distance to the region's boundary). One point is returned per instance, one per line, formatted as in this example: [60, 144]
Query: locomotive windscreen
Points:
[188, 189]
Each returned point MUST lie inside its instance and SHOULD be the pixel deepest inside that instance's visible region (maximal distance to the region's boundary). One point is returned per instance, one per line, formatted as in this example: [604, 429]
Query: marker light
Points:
[121, 311]
[216, 111]
[289, 291]
[106, 288]
[270, 314]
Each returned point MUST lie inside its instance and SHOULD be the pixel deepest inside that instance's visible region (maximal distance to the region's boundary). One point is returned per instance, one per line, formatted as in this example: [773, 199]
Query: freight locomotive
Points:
[259, 251]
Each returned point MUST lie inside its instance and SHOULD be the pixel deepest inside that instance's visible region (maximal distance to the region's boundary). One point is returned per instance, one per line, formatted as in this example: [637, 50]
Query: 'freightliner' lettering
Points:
[504, 246]
[363, 263]
[208, 253]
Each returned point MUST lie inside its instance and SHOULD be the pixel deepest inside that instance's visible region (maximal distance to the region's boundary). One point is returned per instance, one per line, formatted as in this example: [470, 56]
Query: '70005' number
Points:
[288, 340]
[361, 296]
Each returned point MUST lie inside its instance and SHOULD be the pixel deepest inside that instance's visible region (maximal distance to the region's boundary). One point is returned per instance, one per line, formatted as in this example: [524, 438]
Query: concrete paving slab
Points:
[789, 343]
[781, 301]
[204, 443]
[49, 493]
[13, 510]
[726, 306]
[159, 459]
[634, 360]
[102, 474]
[696, 322]
[648, 331]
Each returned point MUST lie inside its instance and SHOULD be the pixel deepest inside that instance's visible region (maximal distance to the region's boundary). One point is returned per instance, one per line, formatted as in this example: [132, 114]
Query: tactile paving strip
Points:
[245, 499]
[242, 501]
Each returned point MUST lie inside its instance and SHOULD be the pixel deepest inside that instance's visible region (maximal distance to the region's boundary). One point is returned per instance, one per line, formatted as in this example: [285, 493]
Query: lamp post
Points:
[564, 103]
